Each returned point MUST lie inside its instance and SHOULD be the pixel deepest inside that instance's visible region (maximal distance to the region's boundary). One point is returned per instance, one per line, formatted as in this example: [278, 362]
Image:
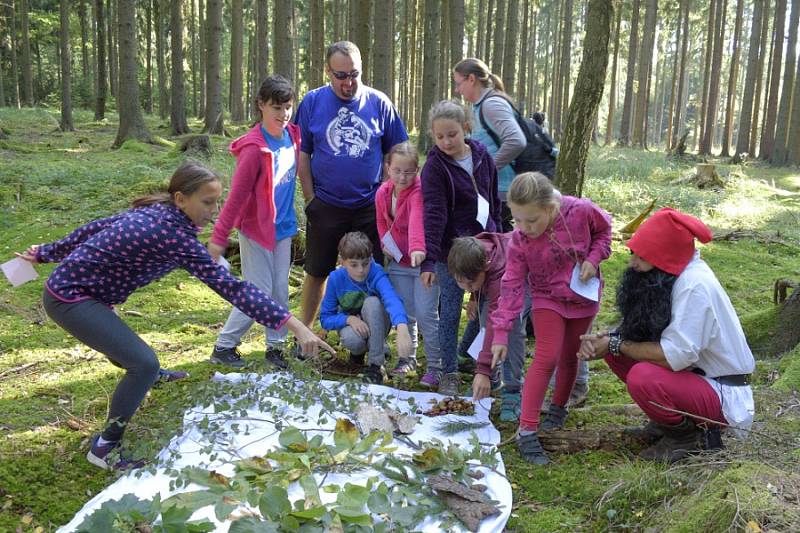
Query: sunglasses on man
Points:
[339, 75]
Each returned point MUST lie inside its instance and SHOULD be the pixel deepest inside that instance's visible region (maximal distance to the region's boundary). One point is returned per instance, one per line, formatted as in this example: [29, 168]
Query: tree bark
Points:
[633, 49]
[793, 145]
[499, 35]
[730, 106]
[706, 144]
[762, 55]
[571, 164]
[131, 123]
[645, 60]
[680, 95]
[743, 137]
[100, 45]
[381, 60]
[482, 30]
[524, 54]
[202, 30]
[316, 54]
[178, 108]
[768, 133]
[445, 79]
[237, 59]
[282, 44]
[612, 96]
[780, 151]
[26, 64]
[214, 123]
[161, 58]
[262, 49]
[66, 69]
[113, 60]
[565, 70]
[148, 84]
[360, 16]
[510, 46]
[456, 32]
[430, 67]
[12, 25]
[195, 53]
[709, 52]
[85, 63]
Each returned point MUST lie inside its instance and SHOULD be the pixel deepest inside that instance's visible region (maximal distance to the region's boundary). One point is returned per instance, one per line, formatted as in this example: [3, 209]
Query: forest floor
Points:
[54, 392]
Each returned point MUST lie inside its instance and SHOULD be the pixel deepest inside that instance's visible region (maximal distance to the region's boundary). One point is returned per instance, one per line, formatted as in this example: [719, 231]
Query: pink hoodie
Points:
[250, 205]
[406, 227]
[581, 232]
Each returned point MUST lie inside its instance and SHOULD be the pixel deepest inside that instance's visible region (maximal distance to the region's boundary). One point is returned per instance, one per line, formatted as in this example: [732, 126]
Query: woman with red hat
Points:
[680, 348]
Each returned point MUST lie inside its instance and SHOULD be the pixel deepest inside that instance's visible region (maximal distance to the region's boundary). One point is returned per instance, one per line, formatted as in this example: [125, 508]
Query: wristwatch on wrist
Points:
[614, 344]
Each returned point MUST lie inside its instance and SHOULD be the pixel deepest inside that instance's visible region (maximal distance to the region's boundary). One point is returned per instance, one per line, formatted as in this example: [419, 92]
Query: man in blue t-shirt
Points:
[346, 130]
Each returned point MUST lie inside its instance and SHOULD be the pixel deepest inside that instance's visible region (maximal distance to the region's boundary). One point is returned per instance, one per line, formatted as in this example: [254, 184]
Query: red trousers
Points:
[557, 344]
[683, 390]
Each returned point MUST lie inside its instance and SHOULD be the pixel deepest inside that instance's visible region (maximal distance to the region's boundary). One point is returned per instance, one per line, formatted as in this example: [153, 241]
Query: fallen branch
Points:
[738, 234]
[18, 369]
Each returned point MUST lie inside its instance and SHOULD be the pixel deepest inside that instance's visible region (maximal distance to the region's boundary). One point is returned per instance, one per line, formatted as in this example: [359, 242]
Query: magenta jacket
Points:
[406, 227]
[250, 205]
[581, 232]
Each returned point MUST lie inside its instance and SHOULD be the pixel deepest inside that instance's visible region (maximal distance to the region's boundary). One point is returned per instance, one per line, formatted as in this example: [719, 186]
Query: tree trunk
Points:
[414, 109]
[706, 144]
[709, 52]
[214, 123]
[499, 35]
[360, 12]
[429, 69]
[12, 25]
[178, 108]
[482, 30]
[565, 70]
[588, 93]
[100, 45]
[445, 80]
[237, 59]
[282, 44]
[66, 70]
[746, 116]
[148, 84]
[131, 123]
[793, 152]
[645, 60]
[768, 133]
[780, 151]
[612, 96]
[85, 63]
[161, 58]
[203, 32]
[787, 334]
[113, 61]
[456, 33]
[633, 48]
[524, 54]
[381, 60]
[510, 47]
[674, 84]
[316, 54]
[195, 53]
[262, 49]
[26, 64]
[730, 106]
[680, 95]
[762, 55]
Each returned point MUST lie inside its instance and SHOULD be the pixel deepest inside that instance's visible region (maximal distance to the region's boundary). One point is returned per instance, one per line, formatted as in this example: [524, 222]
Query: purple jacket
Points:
[581, 232]
[109, 258]
[450, 202]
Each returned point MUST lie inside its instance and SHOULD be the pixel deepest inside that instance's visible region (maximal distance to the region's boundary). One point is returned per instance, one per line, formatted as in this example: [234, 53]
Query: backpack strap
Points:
[485, 126]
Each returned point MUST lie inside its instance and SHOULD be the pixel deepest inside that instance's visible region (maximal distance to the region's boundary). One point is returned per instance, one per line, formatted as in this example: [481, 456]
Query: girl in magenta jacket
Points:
[558, 244]
[399, 208]
[260, 205]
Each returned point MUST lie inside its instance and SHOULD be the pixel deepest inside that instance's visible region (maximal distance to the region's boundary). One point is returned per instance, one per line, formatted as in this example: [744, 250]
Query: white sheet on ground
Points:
[262, 437]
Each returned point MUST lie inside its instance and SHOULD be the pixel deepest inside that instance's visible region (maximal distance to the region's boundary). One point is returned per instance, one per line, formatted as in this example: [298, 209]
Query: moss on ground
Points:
[50, 182]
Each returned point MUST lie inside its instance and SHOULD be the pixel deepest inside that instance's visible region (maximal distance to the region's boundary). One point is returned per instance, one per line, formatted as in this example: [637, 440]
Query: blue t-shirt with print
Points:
[347, 140]
[284, 171]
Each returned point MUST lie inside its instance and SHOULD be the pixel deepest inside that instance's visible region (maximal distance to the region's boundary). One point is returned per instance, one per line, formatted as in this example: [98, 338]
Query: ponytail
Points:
[186, 179]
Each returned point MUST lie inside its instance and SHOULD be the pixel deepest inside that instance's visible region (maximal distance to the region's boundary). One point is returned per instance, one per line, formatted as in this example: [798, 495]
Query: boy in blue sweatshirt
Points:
[361, 304]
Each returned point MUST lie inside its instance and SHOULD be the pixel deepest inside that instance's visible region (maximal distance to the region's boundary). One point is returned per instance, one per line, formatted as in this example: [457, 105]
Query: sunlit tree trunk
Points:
[645, 61]
[768, 133]
[214, 122]
[26, 64]
[630, 76]
[743, 137]
[66, 69]
[131, 123]
[780, 152]
[730, 105]
[178, 108]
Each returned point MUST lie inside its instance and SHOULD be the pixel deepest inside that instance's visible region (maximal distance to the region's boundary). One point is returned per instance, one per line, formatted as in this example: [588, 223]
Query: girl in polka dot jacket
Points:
[103, 262]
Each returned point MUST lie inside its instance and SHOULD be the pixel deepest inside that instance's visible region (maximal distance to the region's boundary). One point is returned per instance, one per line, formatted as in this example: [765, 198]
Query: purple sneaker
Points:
[430, 380]
[168, 376]
[98, 455]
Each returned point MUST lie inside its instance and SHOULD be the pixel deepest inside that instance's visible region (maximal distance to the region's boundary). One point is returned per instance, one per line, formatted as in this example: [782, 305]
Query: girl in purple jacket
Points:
[103, 262]
[459, 191]
[558, 244]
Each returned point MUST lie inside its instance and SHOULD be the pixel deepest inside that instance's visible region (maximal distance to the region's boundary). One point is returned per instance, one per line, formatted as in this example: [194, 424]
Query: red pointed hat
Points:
[666, 239]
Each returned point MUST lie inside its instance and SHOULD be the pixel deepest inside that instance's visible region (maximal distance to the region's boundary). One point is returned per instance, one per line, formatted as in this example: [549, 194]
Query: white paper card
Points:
[19, 271]
[590, 289]
[391, 246]
[223, 262]
[475, 348]
[483, 211]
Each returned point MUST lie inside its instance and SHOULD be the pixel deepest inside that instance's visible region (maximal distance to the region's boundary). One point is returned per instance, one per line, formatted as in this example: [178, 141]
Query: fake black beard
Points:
[645, 301]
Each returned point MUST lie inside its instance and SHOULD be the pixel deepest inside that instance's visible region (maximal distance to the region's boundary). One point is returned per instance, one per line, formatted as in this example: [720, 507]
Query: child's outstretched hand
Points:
[481, 387]
[499, 352]
[588, 271]
[309, 343]
[405, 347]
[358, 325]
[417, 258]
[29, 255]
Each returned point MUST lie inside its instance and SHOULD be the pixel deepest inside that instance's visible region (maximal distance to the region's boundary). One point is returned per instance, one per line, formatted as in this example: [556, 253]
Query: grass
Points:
[54, 392]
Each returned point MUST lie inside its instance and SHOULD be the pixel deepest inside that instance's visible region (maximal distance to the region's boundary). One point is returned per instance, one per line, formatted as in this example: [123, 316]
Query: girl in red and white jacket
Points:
[260, 205]
[398, 208]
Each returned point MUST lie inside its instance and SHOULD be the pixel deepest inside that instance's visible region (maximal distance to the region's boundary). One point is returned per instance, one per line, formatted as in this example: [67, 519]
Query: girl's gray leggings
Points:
[97, 326]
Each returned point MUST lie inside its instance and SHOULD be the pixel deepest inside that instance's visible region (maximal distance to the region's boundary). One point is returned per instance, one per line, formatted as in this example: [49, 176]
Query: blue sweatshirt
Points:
[344, 297]
[109, 258]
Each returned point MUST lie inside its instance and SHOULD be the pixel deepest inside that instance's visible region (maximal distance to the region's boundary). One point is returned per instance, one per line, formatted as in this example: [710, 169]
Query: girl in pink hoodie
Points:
[260, 205]
[558, 244]
[398, 208]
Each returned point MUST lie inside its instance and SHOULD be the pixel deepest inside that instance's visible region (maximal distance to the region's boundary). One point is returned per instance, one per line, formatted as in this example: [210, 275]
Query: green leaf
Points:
[251, 524]
[274, 503]
[224, 508]
[378, 503]
[353, 496]
[312, 513]
[311, 489]
[331, 489]
[430, 459]
[191, 501]
[345, 435]
[293, 439]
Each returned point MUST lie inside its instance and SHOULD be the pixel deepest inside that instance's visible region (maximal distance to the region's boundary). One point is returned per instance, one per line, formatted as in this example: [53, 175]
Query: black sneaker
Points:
[374, 375]
[227, 356]
[357, 359]
[274, 356]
